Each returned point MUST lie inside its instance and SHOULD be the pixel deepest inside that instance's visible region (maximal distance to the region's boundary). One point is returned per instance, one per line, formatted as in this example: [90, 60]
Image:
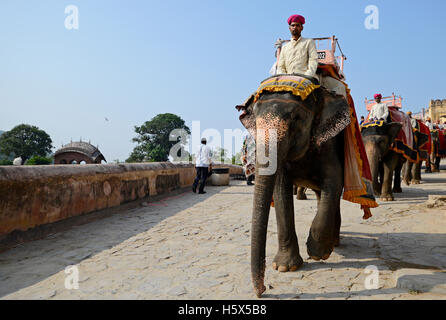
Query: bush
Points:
[38, 160]
[5, 162]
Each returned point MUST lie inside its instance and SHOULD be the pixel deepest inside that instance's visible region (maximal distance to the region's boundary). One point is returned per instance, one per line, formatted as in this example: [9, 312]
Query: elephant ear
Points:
[393, 129]
[247, 118]
[333, 118]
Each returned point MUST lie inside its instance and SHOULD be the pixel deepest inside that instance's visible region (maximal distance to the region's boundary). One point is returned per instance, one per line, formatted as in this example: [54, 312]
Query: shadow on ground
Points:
[82, 237]
[387, 251]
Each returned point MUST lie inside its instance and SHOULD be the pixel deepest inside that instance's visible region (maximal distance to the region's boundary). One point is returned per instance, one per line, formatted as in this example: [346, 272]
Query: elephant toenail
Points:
[283, 269]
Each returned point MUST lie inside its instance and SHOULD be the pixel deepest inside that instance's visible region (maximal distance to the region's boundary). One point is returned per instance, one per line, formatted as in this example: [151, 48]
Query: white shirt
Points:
[379, 111]
[429, 125]
[203, 156]
[298, 56]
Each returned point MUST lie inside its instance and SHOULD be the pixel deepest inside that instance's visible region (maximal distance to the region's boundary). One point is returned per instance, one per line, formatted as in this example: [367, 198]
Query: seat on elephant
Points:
[372, 124]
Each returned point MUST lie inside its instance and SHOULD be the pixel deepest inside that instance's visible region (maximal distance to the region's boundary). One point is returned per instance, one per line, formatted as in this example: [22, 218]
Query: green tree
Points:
[236, 159]
[38, 160]
[5, 162]
[220, 155]
[25, 141]
[154, 138]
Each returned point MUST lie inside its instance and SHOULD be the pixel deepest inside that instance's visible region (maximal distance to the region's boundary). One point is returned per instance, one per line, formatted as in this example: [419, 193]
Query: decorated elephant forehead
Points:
[296, 85]
[270, 123]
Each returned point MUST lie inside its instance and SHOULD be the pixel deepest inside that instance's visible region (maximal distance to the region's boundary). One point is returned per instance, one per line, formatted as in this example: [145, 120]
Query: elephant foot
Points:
[387, 198]
[428, 171]
[285, 261]
[415, 181]
[318, 250]
[397, 190]
[336, 242]
[407, 182]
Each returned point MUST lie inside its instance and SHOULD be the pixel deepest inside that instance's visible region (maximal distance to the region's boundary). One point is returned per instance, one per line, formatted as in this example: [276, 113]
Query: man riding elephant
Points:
[379, 110]
[300, 54]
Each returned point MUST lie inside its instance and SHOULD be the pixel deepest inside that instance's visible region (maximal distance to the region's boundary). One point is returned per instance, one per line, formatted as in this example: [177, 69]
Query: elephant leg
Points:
[416, 173]
[324, 229]
[295, 189]
[301, 193]
[337, 230]
[397, 179]
[437, 164]
[386, 192]
[407, 173]
[428, 166]
[287, 257]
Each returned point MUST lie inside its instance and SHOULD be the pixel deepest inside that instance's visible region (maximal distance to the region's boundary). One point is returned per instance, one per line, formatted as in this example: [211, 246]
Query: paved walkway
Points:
[192, 246]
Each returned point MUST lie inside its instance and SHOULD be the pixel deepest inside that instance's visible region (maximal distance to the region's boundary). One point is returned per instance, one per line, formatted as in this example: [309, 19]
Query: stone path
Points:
[192, 246]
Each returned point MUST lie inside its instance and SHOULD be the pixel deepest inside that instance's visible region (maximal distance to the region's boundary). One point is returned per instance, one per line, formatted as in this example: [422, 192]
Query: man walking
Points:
[202, 163]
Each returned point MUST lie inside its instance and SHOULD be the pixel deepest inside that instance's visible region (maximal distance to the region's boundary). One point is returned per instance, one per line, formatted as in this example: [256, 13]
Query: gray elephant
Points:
[437, 151]
[383, 161]
[412, 170]
[310, 153]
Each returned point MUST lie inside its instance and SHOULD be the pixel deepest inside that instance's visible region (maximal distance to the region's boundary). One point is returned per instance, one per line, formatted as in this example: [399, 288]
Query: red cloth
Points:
[296, 18]
[405, 135]
[425, 129]
[442, 139]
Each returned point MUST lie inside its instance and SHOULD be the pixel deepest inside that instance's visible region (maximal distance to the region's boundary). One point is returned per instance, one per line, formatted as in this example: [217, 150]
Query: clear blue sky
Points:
[131, 60]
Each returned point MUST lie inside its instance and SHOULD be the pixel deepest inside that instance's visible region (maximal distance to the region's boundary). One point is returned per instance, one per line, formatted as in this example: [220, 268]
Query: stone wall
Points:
[36, 195]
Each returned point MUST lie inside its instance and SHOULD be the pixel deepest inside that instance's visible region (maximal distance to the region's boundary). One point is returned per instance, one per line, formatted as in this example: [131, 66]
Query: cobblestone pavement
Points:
[191, 246]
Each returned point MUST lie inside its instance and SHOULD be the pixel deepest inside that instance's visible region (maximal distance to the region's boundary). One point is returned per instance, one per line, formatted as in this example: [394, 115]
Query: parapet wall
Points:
[36, 195]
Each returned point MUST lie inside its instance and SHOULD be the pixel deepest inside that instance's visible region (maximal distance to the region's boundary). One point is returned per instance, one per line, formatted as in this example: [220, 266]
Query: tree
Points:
[154, 136]
[25, 141]
[236, 159]
[220, 156]
[39, 160]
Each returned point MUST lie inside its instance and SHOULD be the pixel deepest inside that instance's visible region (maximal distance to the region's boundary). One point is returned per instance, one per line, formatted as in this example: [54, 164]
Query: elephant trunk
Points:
[263, 193]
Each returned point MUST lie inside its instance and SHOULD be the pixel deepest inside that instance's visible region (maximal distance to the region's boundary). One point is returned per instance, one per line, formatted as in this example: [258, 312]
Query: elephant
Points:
[383, 161]
[434, 157]
[412, 171]
[309, 153]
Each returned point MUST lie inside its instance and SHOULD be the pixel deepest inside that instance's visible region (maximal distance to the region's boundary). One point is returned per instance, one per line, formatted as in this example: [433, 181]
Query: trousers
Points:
[202, 174]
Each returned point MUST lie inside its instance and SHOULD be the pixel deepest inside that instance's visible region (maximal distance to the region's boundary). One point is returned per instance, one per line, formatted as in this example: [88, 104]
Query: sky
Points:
[130, 60]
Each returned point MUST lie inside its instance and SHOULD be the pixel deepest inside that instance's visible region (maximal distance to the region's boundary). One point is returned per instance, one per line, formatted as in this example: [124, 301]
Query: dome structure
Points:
[78, 152]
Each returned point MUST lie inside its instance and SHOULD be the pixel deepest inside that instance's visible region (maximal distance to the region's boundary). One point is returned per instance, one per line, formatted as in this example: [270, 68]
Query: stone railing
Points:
[31, 196]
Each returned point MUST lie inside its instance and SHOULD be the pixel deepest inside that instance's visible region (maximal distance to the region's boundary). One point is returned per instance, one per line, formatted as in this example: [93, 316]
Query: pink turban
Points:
[378, 95]
[296, 18]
